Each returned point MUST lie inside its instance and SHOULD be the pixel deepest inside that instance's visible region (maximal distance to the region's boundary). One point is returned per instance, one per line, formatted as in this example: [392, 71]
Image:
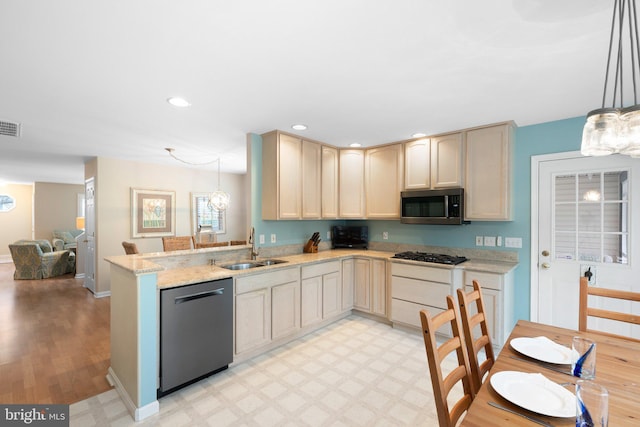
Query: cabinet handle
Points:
[186, 298]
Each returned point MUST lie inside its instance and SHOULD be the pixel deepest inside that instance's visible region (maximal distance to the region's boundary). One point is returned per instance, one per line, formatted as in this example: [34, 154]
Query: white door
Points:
[90, 232]
[583, 215]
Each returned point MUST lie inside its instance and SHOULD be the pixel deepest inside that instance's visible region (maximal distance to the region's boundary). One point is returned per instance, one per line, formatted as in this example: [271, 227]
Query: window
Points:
[591, 217]
[6, 203]
[206, 220]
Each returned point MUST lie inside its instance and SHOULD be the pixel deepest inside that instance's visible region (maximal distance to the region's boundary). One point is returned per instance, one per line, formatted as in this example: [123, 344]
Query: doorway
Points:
[582, 219]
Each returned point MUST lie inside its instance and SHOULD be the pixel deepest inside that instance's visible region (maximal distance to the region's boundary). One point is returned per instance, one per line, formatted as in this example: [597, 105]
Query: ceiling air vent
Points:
[9, 128]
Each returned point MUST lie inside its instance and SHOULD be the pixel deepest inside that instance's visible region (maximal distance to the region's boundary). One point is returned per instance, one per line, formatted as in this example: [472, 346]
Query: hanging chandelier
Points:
[218, 200]
[616, 129]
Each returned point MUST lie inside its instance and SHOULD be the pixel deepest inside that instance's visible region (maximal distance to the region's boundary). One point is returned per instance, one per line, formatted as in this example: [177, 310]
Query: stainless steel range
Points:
[429, 257]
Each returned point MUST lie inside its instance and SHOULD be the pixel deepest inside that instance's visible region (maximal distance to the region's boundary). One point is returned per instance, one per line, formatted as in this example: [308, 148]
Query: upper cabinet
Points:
[290, 177]
[446, 160]
[488, 172]
[351, 183]
[329, 182]
[384, 181]
[417, 164]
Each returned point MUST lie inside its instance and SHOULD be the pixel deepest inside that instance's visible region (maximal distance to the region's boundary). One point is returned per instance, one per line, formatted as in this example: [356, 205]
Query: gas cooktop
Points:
[428, 257]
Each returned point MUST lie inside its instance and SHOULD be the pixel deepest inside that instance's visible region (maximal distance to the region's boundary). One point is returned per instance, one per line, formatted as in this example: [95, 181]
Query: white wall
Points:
[114, 180]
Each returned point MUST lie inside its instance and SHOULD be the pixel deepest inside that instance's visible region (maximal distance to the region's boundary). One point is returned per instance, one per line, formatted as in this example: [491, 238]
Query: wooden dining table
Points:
[617, 369]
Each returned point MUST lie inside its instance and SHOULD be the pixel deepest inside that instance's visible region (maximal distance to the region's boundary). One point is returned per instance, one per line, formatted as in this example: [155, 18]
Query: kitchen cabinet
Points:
[321, 293]
[384, 178]
[415, 288]
[351, 184]
[417, 164]
[291, 177]
[497, 294]
[267, 307]
[348, 268]
[488, 173]
[447, 160]
[329, 185]
[370, 293]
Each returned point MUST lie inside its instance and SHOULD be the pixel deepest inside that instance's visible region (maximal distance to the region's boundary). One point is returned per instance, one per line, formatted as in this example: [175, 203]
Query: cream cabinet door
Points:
[362, 284]
[331, 294]
[379, 287]
[488, 173]
[329, 182]
[417, 164]
[311, 180]
[253, 319]
[491, 299]
[285, 309]
[446, 160]
[347, 284]
[289, 180]
[351, 184]
[311, 301]
[384, 180]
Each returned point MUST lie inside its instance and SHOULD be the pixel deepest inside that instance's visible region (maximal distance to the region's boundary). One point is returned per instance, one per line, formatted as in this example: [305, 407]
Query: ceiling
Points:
[91, 78]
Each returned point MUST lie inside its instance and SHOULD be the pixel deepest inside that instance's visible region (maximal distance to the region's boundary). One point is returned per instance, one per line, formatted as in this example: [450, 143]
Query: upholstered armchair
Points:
[35, 259]
[65, 239]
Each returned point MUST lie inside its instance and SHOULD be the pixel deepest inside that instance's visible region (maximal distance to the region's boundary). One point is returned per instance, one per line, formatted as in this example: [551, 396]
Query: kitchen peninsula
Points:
[274, 304]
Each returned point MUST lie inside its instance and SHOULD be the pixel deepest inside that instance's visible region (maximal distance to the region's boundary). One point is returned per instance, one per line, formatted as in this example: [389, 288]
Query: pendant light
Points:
[616, 129]
[218, 200]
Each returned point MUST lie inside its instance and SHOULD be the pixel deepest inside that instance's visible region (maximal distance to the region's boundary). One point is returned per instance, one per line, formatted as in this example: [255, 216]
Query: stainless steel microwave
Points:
[442, 206]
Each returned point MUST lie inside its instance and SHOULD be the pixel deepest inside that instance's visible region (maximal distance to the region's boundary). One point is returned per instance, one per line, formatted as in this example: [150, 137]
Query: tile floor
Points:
[355, 372]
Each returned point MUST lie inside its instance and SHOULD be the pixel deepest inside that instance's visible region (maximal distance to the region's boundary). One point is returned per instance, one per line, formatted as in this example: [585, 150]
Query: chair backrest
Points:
[238, 242]
[211, 244]
[176, 243]
[585, 311]
[476, 333]
[130, 248]
[435, 355]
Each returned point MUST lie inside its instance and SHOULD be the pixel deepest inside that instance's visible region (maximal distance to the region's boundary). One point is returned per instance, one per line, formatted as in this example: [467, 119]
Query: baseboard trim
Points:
[138, 414]
[6, 259]
[80, 276]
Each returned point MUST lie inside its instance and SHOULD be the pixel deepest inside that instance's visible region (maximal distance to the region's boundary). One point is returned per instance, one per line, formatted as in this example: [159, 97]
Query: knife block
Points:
[310, 248]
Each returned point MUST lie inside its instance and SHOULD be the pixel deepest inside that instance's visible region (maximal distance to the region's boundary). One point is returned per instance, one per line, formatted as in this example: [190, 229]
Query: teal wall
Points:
[545, 138]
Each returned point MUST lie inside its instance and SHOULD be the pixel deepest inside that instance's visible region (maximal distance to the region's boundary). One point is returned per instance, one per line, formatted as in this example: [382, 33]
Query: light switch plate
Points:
[513, 242]
[489, 240]
[262, 239]
[479, 240]
[385, 235]
[273, 238]
[328, 235]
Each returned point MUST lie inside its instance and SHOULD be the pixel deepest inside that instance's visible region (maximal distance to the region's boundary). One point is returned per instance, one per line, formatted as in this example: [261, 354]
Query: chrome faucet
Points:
[252, 239]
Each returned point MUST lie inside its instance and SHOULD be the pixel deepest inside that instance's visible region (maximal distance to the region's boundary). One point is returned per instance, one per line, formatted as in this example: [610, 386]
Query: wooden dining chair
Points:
[176, 243]
[476, 333]
[435, 355]
[238, 242]
[130, 248]
[211, 244]
[585, 311]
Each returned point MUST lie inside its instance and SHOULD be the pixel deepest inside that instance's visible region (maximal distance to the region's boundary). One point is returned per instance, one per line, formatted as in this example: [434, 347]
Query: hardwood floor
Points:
[54, 340]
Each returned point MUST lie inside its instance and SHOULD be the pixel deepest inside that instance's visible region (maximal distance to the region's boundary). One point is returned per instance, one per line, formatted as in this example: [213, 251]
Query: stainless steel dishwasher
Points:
[196, 332]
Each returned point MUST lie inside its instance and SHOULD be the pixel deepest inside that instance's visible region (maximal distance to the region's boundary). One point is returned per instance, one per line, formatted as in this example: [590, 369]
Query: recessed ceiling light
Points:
[178, 102]
[299, 127]
[418, 135]
[355, 145]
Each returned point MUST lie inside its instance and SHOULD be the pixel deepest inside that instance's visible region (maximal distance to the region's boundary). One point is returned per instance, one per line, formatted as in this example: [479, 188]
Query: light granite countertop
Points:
[180, 276]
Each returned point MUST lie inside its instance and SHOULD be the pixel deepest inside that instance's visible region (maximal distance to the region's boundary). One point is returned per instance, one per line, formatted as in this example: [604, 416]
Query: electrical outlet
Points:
[273, 238]
[328, 235]
[489, 240]
[262, 239]
[479, 240]
[385, 235]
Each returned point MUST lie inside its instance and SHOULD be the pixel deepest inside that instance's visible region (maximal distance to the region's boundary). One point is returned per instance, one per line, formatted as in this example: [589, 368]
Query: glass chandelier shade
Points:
[611, 130]
[219, 200]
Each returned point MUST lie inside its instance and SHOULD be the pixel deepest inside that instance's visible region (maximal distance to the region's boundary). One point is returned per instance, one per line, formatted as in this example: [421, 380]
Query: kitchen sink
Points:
[252, 264]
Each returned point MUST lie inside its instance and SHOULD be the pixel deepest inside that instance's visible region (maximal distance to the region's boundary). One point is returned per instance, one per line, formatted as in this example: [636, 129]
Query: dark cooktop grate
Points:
[429, 257]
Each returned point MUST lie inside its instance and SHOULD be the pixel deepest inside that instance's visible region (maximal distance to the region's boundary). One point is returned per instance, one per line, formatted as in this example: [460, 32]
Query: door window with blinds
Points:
[205, 219]
[591, 217]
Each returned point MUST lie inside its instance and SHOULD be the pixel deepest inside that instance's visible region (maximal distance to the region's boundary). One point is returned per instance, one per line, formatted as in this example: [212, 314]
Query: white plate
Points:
[535, 392]
[542, 348]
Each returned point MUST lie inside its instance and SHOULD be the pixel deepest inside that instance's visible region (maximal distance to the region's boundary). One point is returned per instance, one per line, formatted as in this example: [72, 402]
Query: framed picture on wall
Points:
[153, 213]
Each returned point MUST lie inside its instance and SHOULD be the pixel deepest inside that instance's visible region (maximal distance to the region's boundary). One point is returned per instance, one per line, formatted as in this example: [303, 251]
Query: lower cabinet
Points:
[347, 284]
[370, 285]
[321, 293]
[267, 307]
[497, 294]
